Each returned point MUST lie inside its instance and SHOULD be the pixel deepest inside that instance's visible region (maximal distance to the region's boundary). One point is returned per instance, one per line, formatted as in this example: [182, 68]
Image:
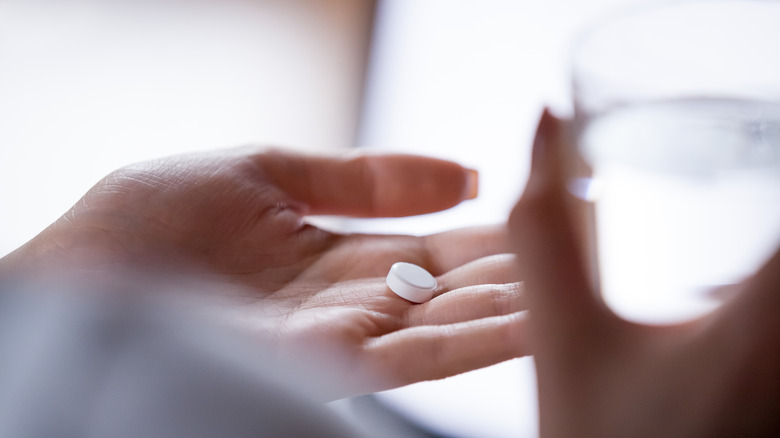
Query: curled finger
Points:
[469, 303]
[494, 269]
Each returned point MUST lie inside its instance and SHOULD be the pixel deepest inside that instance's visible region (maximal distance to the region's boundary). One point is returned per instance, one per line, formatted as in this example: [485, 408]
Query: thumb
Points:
[565, 309]
[369, 185]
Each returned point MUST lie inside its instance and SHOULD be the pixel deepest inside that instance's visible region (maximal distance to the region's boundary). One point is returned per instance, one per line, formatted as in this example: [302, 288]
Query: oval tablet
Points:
[411, 282]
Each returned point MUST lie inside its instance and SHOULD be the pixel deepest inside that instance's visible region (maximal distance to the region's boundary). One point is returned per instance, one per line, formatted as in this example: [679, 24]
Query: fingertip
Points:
[406, 185]
[540, 139]
[548, 150]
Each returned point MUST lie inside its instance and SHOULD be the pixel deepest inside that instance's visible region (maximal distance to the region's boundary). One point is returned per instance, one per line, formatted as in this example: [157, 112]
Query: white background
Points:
[88, 86]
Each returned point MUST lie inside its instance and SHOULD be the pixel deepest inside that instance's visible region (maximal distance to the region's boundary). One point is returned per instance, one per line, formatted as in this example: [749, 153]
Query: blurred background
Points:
[87, 86]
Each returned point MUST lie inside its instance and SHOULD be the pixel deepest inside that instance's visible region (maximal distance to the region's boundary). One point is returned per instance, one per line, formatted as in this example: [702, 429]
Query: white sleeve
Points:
[71, 367]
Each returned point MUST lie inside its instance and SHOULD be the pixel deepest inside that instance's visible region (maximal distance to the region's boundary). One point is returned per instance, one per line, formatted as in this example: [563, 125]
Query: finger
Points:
[434, 352]
[767, 281]
[469, 303]
[451, 249]
[566, 310]
[753, 307]
[369, 185]
[493, 269]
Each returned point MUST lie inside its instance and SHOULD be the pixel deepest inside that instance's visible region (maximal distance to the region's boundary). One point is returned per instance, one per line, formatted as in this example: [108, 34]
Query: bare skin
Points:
[235, 221]
[601, 376]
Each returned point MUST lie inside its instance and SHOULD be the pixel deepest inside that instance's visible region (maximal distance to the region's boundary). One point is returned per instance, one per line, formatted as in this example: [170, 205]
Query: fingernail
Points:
[472, 183]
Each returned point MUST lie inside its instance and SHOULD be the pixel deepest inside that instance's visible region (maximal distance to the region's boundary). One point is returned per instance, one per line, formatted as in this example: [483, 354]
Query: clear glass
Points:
[677, 111]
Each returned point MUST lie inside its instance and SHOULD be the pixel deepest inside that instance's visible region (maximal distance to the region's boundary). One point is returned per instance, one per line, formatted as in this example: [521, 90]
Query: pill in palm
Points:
[411, 282]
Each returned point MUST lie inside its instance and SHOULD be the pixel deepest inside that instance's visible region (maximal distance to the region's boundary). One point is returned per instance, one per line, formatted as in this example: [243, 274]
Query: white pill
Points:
[411, 282]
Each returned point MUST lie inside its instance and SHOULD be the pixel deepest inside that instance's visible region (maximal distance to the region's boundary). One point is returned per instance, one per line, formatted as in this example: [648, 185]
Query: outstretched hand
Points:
[601, 376]
[236, 220]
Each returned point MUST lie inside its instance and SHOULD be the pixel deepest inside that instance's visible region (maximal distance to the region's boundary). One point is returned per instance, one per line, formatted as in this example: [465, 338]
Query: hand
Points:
[236, 221]
[601, 376]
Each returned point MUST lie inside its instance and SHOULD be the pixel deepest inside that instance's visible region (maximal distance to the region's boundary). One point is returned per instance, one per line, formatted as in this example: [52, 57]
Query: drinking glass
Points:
[677, 112]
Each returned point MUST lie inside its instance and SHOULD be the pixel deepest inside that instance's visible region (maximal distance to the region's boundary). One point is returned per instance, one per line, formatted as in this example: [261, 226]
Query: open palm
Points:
[236, 220]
